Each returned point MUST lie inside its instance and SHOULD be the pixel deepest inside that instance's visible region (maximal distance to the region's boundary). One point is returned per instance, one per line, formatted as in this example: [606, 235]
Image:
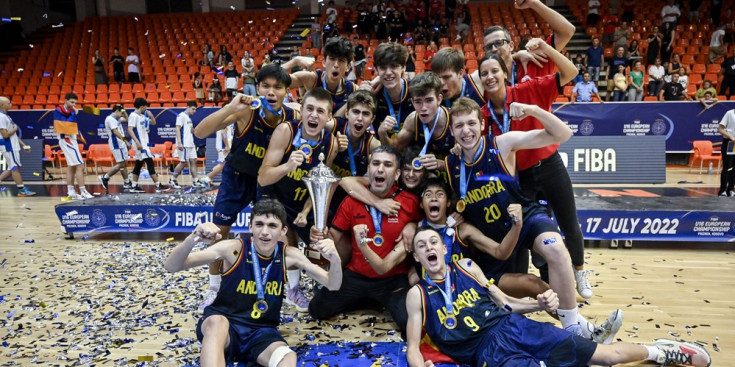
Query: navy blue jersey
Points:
[290, 190]
[469, 90]
[238, 293]
[487, 198]
[382, 111]
[339, 98]
[440, 146]
[341, 164]
[476, 314]
[249, 146]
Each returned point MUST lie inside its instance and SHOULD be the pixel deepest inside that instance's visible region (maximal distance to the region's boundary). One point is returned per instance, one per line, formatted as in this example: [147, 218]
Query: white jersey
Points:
[728, 121]
[141, 125]
[113, 124]
[229, 132]
[187, 129]
[10, 144]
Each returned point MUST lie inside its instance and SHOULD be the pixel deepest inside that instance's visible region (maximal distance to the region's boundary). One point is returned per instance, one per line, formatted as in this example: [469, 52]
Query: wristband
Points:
[489, 283]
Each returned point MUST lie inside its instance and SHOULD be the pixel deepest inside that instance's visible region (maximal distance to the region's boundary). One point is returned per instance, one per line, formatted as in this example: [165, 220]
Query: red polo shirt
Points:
[353, 212]
[534, 71]
[541, 92]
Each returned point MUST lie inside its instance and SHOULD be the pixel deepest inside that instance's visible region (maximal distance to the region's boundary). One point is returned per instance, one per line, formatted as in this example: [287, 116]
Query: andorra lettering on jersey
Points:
[341, 172]
[297, 174]
[272, 288]
[255, 150]
[484, 192]
[464, 299]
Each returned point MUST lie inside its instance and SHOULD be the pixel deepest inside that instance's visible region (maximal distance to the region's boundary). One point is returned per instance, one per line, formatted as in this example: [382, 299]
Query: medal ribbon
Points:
[513, 74]
[463, 178]
[324, 83]
[298, 141]
[264, 104]
[259, 284]
[446, 293]
[389, 102]
[377, 216]
[428, 134]
[353, 166]
[505, 127]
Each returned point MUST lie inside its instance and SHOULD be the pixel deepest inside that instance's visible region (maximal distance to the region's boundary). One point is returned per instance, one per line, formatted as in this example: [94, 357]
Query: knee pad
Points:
[278, 355]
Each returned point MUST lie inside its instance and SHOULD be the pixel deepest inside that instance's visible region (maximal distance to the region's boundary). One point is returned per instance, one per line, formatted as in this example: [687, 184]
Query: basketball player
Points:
[67, 112]
[118, 146]
[185, 145]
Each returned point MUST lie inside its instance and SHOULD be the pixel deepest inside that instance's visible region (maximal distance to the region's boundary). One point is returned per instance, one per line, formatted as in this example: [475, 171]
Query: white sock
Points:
[106, 176]
[82, 189]
[293, 277]
[587, 327]
[214, 281]
[135, 183]
[652, 353]
[567, 317]
[70, 189]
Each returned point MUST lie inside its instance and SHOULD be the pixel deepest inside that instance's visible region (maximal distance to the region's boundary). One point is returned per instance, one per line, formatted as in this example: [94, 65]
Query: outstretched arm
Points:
[181, 257]
[413, 329]
[554, 131]
[563, 29]
[357, 188]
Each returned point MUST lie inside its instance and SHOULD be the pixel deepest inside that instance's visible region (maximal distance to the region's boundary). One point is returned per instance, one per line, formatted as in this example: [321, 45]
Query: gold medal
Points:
[378, 240]
[260, 305]
[461, 205]
[255, 104]
[416, 164]
[450, 322]
[306, 148]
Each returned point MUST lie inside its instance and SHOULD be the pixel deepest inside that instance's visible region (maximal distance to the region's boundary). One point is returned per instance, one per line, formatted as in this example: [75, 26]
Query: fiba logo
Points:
[586, 128]
[658, 127]
[152, 218]
[98, 218]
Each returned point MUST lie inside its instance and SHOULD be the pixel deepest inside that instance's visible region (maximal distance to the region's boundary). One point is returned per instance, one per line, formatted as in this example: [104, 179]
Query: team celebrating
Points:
[448, 184]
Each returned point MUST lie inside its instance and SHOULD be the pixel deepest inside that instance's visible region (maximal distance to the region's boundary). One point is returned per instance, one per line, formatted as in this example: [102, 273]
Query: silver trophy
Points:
[321, 182]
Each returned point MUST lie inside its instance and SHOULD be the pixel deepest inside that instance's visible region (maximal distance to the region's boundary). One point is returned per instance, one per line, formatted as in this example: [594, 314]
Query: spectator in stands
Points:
[656, 75]
[316, 34]
[628, 6]
[654, 45]
[717, 44]
[683, 77]
[595, 59]
[421, 12]
[215, 90]
[360, 61]
[232, 77]
[609, 24]
[449, 7]
[118, 64]
[224, 57]
[584, 90]
[420, 35]
[397, 23]
[673, 91]
[207, 55]
[580, 63]
[633, 51]
[673, 67]
[593, 15]
[266, 60]
[381, 27]
[429, 54]
[708, 100]
[612, 68]
[435, 8]
[694, 6]
[133, 70]
[667, 43]
[347, 17]
[248, 76]
[727, 17]
[411, 63]
[295, 52]
[621, 35]
[331, 13]
[635, 83]
[727, 73]
[100, 76]
[463, 24]
[670, 13]
[620, 82]
[198, 86]
[715, 12]
[10, 146]
[706, 88]
[727, 178]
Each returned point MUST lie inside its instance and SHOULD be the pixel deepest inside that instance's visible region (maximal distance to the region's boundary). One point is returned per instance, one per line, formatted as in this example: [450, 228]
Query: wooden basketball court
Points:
[106, 299]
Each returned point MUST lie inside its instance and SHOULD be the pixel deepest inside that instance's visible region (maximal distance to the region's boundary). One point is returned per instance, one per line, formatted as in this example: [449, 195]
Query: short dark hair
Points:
[425, 83]
[433, 182]
[390, 53]
[274, 71]
[117, 107]
[423, 229]
[413, 151]
[320, 95]
[192, 104]
[390, 150]
[70, 96]
[448, 59]
[140, 102]
[496, 28]
[362, 97]
[339, 48]
[495, 57]
[270, 207]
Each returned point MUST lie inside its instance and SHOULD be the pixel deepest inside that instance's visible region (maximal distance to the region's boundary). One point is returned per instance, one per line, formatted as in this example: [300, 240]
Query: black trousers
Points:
[550, 181]
[357, 292]
[727, 177]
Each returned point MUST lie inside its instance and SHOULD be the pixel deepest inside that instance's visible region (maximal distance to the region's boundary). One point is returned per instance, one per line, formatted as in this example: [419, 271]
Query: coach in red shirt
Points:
[376, 271]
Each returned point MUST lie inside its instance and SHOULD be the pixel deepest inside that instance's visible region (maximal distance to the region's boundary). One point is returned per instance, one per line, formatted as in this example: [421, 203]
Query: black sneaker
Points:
[104, 181]
[136, 188]
[161, 188]
[127, 185]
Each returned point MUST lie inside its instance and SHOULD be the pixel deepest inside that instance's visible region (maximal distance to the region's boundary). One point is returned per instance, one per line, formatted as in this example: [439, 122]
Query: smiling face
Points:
[273, 91]
[315, 114]
[427, 106]
[412, 177]
[335, 68]
[390, 75]
[434, 202]
[267, 230]
[492, 76]
[360, 117]
[429, 250]
[491, 42]
[467, 130]
[383, 172]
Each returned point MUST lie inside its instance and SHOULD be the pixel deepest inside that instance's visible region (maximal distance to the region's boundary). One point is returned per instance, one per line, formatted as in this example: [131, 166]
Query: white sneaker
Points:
[85, 194]
[172, 182]
[206, 181]
[298, 298]
[605, 333]
[583, 284]
[575, 329]
[74, 196]
[685, 353]
[731, 194]
[209, 298]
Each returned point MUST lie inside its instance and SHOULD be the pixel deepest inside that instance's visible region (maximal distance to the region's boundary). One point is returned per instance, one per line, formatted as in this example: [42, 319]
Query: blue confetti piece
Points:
[543, 202]
[29, 127]
[102, 126]
[549, 241]
[310, 337]
[6, 20]
[30, 241]
[178, 56]
[85, 237]
[3, 188]
[12, 313]
[409, 39]
[508, 308]
[46, 75]
[173, 331]
[5, 344]
[2, 298]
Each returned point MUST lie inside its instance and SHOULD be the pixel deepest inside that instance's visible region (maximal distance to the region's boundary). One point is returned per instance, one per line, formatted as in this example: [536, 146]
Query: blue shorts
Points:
[246, 343]
[235, 192]
[533, 226]
[519, 342]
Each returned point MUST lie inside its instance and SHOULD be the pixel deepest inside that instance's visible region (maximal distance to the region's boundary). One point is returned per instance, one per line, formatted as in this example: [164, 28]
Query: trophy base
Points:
[315, 257]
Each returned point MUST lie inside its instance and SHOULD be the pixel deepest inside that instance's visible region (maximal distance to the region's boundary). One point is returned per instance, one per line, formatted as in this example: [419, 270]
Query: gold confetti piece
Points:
[305, 32]
[66, 198]
[169, 239]
[145, 358]
[36, 174]
[43, 304]
[91, 110]
[15, 18]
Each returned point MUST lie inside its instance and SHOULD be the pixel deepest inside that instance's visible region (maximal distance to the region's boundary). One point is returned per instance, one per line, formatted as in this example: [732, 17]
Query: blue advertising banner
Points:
[643, 225]
[680, 122]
